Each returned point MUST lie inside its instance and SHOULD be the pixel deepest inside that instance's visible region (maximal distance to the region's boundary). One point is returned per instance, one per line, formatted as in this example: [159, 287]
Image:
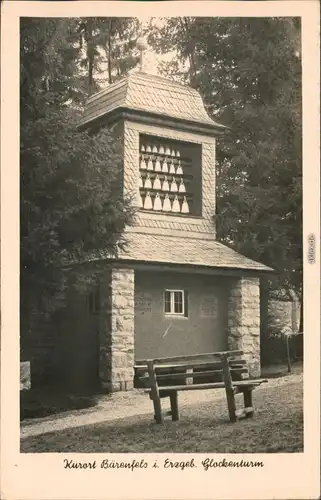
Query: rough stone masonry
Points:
[117, 330]
[244, 321]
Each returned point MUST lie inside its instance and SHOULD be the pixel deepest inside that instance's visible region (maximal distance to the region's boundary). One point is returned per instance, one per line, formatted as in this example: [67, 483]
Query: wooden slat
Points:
[194, 387]
[167, 376]
[211, 385]
[191, 357]
[249, 382]
[200, 364]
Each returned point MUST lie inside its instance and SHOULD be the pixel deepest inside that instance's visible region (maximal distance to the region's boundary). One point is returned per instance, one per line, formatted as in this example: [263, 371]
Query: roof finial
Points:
[142, 46]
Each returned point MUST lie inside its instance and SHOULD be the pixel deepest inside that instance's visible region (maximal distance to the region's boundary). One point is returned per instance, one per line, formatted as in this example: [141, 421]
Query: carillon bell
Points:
[179, 170]
[165, 167]
[181, 188]
[155, 150]
[174, 188]
[173, 152]
[157, 183]
[185, 207]
[148, 184]
[140, 201]
[158, 167]
[178, 154]
[172, 168]
[158, 203]
[176, 206]
[148, 149]
[167, 152]
[142, 148]
[150, 164]
[140, 182]
[165, 186]
[161, 150]
[167, 207]
[143, 163]
[148, 205]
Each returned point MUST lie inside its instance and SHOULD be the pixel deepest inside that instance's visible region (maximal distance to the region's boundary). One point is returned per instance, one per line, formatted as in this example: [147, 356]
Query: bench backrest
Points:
[194, 369]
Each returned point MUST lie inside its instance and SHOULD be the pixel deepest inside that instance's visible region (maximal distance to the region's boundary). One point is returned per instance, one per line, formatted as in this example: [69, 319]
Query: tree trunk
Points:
[109, 52]
[301, 315]
[90, 55]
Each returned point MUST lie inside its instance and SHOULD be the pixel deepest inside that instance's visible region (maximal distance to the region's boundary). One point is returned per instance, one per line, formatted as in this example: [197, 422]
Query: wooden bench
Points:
[165, 377]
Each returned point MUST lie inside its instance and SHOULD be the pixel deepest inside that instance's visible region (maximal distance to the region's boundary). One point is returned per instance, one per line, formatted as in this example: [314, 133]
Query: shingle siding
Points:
[202, 224]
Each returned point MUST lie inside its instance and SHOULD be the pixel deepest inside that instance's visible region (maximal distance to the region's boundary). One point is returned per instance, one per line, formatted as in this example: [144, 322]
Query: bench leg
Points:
[229, 389]
[157, 410]
[247, 395]
[174, 405]
[230, 396]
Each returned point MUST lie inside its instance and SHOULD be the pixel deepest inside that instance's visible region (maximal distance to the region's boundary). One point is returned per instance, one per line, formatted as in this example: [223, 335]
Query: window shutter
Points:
[186, 303]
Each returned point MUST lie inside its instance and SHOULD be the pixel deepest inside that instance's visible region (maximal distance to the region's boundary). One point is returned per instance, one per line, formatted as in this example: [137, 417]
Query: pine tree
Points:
[109, 46]
[71, 204]
[248, 72]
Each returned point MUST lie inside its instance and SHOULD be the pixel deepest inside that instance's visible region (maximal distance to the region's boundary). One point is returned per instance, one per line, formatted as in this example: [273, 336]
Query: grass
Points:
[277, 427]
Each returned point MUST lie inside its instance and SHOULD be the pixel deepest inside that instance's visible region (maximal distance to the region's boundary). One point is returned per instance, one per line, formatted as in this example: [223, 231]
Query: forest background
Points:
[248, 72]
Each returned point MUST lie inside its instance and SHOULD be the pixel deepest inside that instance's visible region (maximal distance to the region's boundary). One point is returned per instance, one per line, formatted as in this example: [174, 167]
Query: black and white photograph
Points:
[161, 249]
[161, 235]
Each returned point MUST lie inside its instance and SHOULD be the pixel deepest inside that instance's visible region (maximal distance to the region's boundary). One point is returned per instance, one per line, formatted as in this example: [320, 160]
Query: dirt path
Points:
[122, 405]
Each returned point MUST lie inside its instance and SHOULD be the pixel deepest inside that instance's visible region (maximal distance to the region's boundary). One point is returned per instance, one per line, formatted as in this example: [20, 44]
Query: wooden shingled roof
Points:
[147, 93]
[175, 250]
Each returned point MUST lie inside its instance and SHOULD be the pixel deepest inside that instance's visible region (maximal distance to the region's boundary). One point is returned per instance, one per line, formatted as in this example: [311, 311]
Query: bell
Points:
[181, 188]
[148, 149]
[155, 150]
[185, 208]
[174, 188]
[167, 152]
[157, 183]
[142, 163]
[142, 148]
[178, 154]
[167, 207]
[150, 164]
[158, 202]
[165, 167]
[173, 152]
[176, 206]
[172, 168]
[148, 205]
[165, 186]
[148, 184]
[179, 170]
[140, 201]
[161, 150]
[158, 167]
[140, 182]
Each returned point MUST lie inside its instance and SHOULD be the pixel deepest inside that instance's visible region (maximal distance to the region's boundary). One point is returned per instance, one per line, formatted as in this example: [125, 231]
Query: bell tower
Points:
[174, 276]
[169, 149]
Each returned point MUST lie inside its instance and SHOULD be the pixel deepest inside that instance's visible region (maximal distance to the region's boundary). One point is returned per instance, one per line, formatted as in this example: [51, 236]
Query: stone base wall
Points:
[244, 321]
[116, 364]
[282, 314]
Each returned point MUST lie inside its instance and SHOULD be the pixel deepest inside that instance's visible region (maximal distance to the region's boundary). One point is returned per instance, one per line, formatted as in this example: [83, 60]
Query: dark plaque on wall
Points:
[143, 303]
[209, 306]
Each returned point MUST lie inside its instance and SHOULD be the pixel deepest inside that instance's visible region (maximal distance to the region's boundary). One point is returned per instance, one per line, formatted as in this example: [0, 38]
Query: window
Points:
[94, 301]
[176, 302]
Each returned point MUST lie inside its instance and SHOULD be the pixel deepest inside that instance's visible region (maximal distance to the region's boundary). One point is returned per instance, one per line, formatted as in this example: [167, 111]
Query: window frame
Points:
[184, 297]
